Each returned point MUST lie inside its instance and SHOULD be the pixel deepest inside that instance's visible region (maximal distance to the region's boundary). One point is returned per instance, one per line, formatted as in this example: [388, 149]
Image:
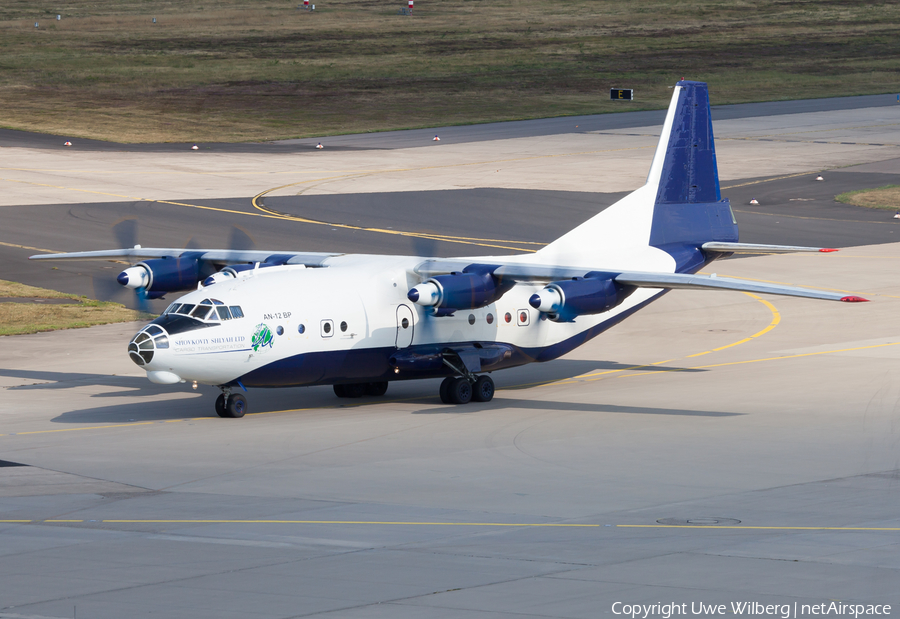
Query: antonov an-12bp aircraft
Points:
[357, 322]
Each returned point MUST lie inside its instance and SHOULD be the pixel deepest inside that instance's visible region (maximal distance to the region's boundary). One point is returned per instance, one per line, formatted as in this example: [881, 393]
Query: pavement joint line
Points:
[766, 180]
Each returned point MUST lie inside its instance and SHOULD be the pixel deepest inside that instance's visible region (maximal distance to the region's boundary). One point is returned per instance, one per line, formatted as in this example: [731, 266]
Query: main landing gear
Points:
[462, 390]
[358, 390]
[231, 405]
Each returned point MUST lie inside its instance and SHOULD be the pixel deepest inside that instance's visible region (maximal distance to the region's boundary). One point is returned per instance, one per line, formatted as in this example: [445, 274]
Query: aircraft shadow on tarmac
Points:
[144, 404]
[586, 407]
[137, 386]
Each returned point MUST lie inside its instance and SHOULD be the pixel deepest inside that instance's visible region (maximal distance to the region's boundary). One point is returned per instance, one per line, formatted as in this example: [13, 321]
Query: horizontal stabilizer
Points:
[711, 282]
[753, 248]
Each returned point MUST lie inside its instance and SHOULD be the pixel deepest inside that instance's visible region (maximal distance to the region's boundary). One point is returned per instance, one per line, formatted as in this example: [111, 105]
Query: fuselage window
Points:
[343, 327]
[224, 314]
[301, 329]
[490, 319]
[327, 328]
[236, 311]
[471, 319]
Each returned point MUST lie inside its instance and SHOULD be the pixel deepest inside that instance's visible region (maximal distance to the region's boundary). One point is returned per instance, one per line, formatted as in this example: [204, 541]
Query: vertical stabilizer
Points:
[689, 208]
[662, 224]
[688, 173]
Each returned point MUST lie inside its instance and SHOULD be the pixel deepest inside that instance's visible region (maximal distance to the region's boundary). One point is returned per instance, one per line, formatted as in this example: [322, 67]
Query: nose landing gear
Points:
[231, 405]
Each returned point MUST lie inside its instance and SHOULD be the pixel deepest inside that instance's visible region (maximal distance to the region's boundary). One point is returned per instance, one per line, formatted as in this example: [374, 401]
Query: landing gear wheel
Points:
[445, 390]
[350, 390]
[483, 391]
[460, 391]
[236, 406]
[220, 406]
[354, 390]
[376, 389]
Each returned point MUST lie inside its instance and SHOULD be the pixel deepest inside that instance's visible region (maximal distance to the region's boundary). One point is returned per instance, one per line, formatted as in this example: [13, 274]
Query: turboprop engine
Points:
[162, 275]
[564, 300]
[474, 287]
[234, 270]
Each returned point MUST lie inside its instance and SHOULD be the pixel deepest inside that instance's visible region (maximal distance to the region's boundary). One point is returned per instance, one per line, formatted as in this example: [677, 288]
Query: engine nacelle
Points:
[566, 299]
[162, 275]
[473, 288]
[232, 271]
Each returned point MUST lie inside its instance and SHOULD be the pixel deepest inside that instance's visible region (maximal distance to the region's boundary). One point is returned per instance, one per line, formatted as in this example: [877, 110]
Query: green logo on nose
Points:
[262, 337]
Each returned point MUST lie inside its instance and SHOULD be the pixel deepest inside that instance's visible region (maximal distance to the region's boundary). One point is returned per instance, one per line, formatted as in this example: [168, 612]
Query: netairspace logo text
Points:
[785, 611]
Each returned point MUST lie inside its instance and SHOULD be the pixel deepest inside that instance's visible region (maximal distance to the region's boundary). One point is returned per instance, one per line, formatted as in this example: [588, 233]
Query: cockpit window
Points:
[207, 309]
[202, 311]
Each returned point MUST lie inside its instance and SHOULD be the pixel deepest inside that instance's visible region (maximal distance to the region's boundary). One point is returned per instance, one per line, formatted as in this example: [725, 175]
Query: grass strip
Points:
[22, 318]
[236, 70]
[887, 197]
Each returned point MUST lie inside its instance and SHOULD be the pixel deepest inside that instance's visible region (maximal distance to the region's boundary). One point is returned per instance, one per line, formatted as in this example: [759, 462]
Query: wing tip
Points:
[828, 250]
[854, 299]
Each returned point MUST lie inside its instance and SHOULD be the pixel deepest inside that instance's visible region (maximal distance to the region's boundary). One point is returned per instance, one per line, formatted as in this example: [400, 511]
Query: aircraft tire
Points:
[354, 390]
[236, 406]
[376, 389]
[445, 390]
[483, 391]
[461, 391]
[220, 406]
[339, 391]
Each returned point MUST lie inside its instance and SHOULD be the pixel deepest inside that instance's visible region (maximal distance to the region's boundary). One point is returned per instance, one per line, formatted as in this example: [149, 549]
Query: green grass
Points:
[21, 318]
[886, 197]
[240, 70]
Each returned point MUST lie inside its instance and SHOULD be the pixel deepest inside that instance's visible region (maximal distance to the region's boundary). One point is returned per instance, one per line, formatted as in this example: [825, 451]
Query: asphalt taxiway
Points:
[715, 447]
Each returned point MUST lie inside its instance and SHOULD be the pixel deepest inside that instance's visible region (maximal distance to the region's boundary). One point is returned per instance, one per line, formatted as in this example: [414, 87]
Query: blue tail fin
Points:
[690, 174]
[689, 209]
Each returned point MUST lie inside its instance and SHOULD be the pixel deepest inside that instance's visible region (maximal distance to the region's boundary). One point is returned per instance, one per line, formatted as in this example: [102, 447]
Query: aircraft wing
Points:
[217, 256]
[712, 282]
[519, 272]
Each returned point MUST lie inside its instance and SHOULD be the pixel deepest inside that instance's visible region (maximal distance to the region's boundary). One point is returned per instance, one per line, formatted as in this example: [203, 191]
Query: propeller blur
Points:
[261, 318]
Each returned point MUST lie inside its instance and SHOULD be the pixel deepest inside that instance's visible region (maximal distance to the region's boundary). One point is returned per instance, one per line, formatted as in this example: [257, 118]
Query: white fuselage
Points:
[358, 302]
